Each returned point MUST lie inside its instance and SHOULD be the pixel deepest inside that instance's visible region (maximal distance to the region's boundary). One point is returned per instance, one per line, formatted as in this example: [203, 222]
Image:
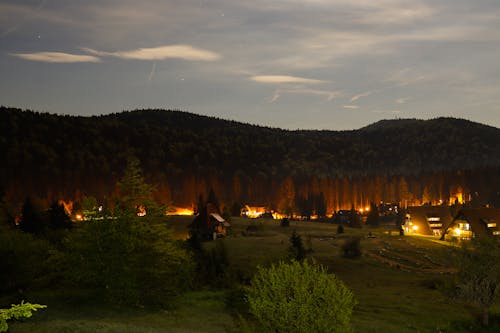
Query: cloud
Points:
[402, 100]
[329, 95]
[56, 57]
[405, 77]
[358, 96]
[284, 79]
[152, 73]
[351, 106]
[186, 52]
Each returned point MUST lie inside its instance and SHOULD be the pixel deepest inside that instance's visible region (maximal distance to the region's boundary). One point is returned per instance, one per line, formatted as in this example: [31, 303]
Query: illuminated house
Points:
[427, 220]
[473, 222]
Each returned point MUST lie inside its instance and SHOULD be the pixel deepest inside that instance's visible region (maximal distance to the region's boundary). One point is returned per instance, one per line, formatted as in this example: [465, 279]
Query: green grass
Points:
[396, 282]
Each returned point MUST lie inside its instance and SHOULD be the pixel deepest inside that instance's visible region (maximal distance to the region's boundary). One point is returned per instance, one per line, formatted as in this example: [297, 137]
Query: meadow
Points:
[399, 283]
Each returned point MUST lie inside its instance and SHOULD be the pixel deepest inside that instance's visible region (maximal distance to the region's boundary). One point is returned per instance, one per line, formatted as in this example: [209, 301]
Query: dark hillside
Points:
[185, 153]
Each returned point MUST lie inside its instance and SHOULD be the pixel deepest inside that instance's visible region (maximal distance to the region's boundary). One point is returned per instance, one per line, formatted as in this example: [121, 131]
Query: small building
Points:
[209, 224]
[427, 220]
[473, 222]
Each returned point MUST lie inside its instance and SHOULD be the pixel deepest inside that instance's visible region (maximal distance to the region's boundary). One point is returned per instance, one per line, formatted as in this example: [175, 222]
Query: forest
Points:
[407, 161]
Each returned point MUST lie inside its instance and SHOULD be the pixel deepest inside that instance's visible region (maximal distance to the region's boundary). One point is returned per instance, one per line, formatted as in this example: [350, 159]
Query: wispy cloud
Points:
[405, 77]
[152, 73]
[402, 100]
[284, 79]
[329, 95]
[56, 57]
[186, 52]
[351, 106]
[358, 96]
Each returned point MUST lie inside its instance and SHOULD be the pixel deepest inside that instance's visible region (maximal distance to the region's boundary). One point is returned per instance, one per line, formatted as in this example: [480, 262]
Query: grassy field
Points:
[396, 282]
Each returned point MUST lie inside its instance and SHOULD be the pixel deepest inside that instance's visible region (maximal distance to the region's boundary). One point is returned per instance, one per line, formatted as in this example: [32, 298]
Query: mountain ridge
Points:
[49, 153]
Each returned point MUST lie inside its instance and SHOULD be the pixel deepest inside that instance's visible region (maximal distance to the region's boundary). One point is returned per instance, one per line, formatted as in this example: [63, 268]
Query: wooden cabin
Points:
[473, 222]
[428, 220]
[209, 224]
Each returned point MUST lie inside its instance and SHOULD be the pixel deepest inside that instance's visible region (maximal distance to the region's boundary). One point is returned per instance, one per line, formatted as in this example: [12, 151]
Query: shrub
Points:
[352, 248]
[340, 229]
[128, 260]
[17, 311]
[296, 250]
[479, 273]
[299, 297]
[24, 259]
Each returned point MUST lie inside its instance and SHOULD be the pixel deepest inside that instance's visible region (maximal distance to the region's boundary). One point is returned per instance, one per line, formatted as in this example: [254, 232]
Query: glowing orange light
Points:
[180, 211]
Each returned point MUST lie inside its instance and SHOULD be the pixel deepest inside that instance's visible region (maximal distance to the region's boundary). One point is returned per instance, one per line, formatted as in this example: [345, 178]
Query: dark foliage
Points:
[31, 220]
[297, 251]
[58, 219]
[352, 248]
[373, 217]
[54, 156]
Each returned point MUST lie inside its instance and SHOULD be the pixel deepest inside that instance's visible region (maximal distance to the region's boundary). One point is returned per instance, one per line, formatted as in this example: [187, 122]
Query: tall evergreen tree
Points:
[354, 218]
[58, 219]
[135, 193]
[31, 220]
[321, 206]
[373, 217]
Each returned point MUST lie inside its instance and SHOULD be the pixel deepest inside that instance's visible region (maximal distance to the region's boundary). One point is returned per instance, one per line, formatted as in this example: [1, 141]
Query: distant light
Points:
[180, 211]
[367, 208]
[415, 227]
[100, 208]
[457, 231]
[79, 217]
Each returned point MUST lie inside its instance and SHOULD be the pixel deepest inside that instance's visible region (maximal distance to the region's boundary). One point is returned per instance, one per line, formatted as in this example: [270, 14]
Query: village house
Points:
[209, 224]
[427, 220]
[472, 222]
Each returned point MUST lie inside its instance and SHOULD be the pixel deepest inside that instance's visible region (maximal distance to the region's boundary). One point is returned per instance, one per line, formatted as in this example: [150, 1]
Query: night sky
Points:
[315, 64]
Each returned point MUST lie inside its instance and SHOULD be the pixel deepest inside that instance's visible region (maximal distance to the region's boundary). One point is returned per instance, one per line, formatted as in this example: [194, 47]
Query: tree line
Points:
[58, 156]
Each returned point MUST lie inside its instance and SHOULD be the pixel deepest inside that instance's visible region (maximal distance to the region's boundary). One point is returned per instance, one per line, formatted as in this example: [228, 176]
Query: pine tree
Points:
[373, 218]
[58, 219]
[135, 193]
[31, 221]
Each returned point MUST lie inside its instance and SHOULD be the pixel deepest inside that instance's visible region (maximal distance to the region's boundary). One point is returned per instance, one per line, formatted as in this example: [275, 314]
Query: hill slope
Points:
[75, 152]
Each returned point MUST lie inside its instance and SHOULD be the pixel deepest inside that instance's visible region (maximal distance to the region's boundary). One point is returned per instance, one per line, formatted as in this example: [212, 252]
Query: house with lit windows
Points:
[427, 220]
[473, 222]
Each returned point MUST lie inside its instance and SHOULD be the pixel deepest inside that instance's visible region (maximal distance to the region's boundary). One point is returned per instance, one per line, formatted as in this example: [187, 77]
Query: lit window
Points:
[491, 225]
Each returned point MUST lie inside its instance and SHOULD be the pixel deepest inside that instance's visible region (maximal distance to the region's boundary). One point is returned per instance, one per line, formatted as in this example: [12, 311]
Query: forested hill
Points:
[71, 152]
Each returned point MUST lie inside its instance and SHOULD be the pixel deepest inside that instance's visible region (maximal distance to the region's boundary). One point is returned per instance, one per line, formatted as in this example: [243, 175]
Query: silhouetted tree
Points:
[354, 218]
[321, 206]
[31, 220]
[373, 216]
[212, 199]
[297, 250]
[58, 219]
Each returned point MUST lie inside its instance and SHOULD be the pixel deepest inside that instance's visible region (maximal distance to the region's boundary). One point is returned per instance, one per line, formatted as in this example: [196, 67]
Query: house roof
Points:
[420, 214]
[218, 217]
[478, 219]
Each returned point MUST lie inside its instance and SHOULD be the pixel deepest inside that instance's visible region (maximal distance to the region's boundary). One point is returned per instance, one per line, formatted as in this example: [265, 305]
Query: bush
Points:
[296, 250]
[340, 229]
[129, 261]
[299, 297]
[25, 259]
[352, 248]
[17, 311]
